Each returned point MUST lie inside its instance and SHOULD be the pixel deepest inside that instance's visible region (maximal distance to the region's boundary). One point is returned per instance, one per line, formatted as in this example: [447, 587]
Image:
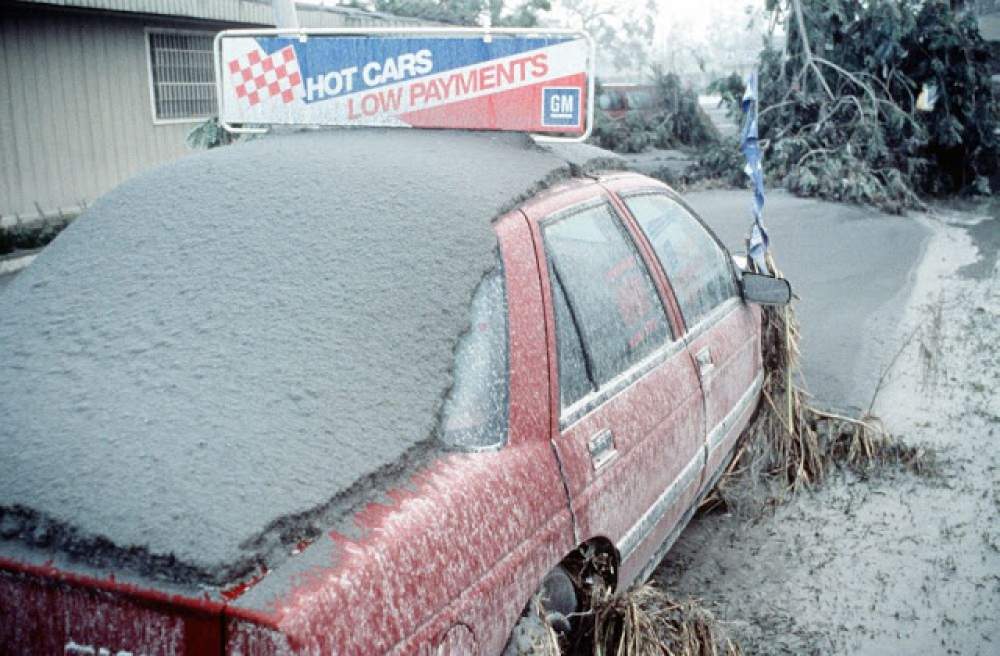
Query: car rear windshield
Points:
[476, 410]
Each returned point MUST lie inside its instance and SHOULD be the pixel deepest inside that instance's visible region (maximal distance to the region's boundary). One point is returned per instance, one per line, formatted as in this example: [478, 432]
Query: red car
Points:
[357, 392]
[616, 100]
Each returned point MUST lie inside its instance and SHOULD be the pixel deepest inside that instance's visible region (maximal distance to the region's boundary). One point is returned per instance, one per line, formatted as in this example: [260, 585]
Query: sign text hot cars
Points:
[536, 84]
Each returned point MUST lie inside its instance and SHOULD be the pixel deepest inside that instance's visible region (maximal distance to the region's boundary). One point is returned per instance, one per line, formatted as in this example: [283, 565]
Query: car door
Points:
[630, 423]
[721, 331]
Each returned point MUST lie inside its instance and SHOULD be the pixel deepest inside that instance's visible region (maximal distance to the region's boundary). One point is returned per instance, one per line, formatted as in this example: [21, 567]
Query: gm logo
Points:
[561, 107]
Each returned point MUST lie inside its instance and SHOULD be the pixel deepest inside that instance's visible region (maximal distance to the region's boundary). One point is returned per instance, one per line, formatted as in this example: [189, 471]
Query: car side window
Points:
[698, 268]
[574, 379]
[609, 304]
[610, 100]
[640, 100]
[476, 410]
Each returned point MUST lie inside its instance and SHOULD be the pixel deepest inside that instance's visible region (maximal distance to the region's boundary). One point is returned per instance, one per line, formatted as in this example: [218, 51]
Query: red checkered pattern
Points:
[257, 78]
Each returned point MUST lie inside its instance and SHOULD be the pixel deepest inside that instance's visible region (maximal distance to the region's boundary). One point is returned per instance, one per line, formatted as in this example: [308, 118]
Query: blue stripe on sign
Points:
[324, 55]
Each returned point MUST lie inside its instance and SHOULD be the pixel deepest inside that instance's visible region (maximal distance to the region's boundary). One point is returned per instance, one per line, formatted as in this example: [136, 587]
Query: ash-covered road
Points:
[850, 266]
[892, 563]
[5, 280]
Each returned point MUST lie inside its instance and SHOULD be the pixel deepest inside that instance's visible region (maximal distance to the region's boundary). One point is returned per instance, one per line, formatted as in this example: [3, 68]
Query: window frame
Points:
[556, 282]
[601, 393]
[151, 85]
[691, 331]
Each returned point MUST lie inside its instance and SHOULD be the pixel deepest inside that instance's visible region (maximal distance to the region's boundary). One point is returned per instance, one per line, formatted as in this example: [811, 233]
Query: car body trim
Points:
[675, 533]
[590, 402]
[641, 529]
[718, 313]
[722, 429]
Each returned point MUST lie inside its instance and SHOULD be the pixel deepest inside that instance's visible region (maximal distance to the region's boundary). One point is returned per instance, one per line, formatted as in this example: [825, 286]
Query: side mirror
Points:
[766, 290]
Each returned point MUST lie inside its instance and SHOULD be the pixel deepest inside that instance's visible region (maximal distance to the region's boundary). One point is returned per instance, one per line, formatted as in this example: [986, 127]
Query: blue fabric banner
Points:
[750, 147]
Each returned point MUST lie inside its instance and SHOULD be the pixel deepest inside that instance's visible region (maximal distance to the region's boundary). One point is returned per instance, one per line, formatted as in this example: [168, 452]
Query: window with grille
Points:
[183, 75]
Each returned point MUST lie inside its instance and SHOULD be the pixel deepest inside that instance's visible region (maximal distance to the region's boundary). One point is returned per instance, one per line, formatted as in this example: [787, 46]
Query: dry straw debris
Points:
[649, 622]
[643, 621]
[795, 444]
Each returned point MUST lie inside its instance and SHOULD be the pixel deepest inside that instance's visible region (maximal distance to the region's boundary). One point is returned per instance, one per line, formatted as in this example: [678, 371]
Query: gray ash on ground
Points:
[894, 563]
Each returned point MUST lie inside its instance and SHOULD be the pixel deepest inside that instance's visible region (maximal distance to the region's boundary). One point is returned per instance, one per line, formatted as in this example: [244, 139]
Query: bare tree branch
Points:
[807, 49]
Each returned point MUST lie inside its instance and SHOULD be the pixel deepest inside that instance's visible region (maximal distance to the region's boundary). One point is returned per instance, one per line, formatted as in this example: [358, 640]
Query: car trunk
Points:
[46, 610]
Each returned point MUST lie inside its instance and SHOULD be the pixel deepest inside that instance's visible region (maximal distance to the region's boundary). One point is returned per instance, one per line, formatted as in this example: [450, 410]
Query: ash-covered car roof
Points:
[225, 345]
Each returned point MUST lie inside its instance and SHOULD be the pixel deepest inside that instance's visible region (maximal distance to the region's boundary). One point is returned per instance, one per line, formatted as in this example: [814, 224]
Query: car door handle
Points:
[704, 359]
[602, 448]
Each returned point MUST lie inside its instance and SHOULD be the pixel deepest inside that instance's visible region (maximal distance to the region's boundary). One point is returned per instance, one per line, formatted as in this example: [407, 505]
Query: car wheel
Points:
[546, 619]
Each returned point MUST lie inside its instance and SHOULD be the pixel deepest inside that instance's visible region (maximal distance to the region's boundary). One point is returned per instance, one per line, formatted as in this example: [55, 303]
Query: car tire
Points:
[546, 618]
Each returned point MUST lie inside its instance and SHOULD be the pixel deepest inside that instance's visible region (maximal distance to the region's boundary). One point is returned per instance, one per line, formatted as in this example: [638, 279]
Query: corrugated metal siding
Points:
[240, 11]
[77, 118]
[75, 111]
[319, 18]
[257, 12]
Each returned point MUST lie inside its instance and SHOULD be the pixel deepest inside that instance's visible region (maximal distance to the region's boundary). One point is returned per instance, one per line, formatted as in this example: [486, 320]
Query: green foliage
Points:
[623, 32]
[721, 161]
[631, 134]
[34, 234]
[677, 120]
[730, 90]
[525, 15]
[210, 135]
[684, 121]
[841, 176]
[871, 139]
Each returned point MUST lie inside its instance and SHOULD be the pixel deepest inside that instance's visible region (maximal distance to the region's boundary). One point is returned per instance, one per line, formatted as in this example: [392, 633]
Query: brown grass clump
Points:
[643, 621]
[646, 621]
[795, 443]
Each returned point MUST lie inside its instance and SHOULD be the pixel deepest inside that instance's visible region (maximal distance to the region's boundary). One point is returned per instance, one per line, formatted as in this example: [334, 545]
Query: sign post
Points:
[538, 81]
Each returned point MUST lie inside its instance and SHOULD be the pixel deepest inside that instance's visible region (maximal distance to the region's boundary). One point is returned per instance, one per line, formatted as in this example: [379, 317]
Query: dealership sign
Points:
[470, 79]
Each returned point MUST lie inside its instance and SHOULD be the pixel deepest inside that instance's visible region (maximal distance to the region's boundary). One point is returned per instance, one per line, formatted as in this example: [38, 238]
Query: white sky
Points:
[698, 13]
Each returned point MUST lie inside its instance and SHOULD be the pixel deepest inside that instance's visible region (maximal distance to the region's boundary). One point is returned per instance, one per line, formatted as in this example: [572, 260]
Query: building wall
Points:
[238, 11]
[75, 116]
[75, 108]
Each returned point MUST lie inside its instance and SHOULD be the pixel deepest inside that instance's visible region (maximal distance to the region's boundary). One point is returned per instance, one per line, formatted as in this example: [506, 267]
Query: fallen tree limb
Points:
[807, 49]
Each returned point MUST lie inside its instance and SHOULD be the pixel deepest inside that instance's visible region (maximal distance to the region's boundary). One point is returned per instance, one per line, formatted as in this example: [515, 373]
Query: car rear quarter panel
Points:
[463, 544]
[46, 610]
